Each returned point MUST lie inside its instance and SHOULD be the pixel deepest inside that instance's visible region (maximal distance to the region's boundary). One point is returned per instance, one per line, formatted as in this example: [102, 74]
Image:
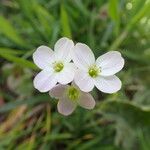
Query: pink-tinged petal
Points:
[86, 101]
[66, 106]
[82, 56]
[44, 81]
[42, 56]
[58, 91]
[109, 84]
[67, 74]
[110, 63]
[84, 81]
[63, 49]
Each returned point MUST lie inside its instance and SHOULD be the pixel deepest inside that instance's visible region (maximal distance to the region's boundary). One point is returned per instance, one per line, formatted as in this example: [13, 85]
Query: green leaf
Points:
[139, 15]
[27, 7]
[66, 31]
[132, 22]
[134, 115]
[81, 7]
[10, 51]
[144, 139]
[45, 19]
[8, 30]
[113, 10]
[30, 102]
[18, 60]
[58, 136]
[137, 5]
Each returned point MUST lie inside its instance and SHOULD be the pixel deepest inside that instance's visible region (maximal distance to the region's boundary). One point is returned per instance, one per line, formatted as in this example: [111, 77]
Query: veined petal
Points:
[44, 81]
[83, 57]
[110, 63]
[66, 106]
[110, 84]
[83, 81]
[86, 101]
[63, 49]
[67, 74]
[58, 91]
[42, 56]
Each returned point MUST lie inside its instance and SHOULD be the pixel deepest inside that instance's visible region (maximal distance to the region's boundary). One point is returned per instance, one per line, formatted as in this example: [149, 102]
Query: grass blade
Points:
[31, 101]
[8, 30]
[19, 61]
[113, 11]
[66, 31]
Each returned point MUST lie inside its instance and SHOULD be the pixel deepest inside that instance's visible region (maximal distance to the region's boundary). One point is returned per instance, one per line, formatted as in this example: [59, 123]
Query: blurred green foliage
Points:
[29, 120]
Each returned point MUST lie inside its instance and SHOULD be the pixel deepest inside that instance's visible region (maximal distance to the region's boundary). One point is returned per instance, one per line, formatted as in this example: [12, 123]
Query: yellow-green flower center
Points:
[94, 71]
[73, 93]
[58, 66]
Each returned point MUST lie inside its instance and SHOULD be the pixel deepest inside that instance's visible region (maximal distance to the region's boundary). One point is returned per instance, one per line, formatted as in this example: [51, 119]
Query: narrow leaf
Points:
[10, 51]
[134, 115]
[66, 31]
[8, 30]
[18, 60]
[30, 102]
[113, 10]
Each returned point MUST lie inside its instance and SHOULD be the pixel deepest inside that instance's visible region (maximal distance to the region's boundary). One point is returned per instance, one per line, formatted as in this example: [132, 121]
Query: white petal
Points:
[83, 81]
[66, 106]
[83, 57]
[86, 101]
[58, 91]
[67, 74]
[63, 49]
[42, 56]
[109, 84]
[110, 63]
[44, 81]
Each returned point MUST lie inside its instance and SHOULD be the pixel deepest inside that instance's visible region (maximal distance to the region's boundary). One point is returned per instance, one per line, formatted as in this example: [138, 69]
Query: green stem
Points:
[143, 11]
[119, 40]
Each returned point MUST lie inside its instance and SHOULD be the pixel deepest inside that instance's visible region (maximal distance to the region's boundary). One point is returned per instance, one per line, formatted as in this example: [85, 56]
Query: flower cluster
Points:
[75, 63]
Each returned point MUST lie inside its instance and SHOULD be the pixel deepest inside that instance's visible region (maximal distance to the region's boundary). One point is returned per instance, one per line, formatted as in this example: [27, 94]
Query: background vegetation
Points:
[29, 120]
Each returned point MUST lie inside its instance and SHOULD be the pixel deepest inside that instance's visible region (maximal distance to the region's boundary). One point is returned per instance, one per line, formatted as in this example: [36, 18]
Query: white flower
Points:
[100, 72]
[69, 97]
[55, 65]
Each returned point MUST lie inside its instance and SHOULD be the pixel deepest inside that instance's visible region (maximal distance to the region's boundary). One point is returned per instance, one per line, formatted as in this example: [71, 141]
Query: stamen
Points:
[94, 71]
[58, 66]
[73, 93]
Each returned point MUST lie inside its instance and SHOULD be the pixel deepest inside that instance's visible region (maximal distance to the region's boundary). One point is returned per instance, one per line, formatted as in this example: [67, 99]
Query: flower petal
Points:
[83, 81]
[109, 84]
[44, 81]
[110, 63]
[86, 101]
[42, 56]
[67, 74]
[83, 57]
[66, 106]
[63, 49]
[58, 91]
